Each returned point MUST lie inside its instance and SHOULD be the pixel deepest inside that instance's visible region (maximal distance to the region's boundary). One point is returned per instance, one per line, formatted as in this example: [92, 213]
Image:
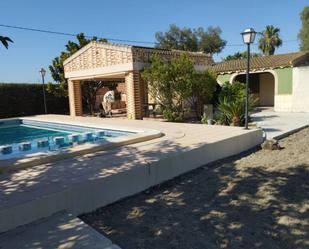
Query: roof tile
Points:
[262, 62]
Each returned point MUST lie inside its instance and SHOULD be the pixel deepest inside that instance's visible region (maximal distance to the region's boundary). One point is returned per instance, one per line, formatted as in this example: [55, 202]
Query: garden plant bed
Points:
[260, 200]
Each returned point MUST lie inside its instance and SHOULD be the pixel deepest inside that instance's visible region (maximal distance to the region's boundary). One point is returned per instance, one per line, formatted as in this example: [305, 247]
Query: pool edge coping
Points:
[140, 135]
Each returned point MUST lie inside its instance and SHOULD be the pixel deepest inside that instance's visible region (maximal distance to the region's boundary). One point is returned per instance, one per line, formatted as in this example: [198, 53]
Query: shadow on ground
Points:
[263, 118]
[237, 203]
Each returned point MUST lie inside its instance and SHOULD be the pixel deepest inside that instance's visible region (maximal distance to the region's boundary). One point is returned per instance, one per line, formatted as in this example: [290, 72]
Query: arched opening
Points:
[262, 86]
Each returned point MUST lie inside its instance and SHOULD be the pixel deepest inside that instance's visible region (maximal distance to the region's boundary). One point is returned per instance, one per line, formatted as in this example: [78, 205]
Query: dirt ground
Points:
[260, 200]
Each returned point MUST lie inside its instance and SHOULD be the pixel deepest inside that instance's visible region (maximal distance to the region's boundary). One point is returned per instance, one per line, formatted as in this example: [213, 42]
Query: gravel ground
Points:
[260, 200]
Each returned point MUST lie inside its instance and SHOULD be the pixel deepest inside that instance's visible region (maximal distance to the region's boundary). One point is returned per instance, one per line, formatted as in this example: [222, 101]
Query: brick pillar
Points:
[134, 98]
[75, 98]
[144, 97]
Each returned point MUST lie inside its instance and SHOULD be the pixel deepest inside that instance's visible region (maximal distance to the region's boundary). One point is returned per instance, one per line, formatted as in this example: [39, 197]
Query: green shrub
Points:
[171, 116]
[232, 92]
[176, 83]
[231, 112]
[27, 99]
[232, 104]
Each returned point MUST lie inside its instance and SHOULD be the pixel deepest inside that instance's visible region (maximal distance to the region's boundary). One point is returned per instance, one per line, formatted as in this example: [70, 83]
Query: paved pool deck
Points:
[86, 182]
[280, 124]
[59, 231]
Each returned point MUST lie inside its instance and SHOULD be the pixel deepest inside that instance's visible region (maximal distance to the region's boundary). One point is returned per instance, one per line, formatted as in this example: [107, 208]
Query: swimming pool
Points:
[21, 137]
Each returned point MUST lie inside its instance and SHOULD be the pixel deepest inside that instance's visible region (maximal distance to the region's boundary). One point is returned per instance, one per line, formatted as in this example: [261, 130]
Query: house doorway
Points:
[262, 86]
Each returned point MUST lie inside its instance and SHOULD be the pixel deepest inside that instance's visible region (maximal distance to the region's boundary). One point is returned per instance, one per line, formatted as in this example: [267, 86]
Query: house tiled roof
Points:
[262, 62]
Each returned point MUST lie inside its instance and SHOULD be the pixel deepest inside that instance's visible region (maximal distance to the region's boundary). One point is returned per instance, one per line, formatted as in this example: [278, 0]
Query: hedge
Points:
[27, 99]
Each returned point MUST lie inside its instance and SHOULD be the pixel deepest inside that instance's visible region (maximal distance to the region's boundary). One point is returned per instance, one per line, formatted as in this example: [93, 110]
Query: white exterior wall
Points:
[283, 103]
[300, 99]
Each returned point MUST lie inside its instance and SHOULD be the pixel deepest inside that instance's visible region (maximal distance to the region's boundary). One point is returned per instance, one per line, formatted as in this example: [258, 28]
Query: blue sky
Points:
[131, 20]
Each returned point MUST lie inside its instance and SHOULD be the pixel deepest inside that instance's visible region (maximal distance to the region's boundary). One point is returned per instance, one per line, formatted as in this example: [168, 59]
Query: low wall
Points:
[89, 195]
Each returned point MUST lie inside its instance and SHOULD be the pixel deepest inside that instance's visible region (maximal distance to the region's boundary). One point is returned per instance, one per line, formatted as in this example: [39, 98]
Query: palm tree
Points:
[5, 41]
[270, 40]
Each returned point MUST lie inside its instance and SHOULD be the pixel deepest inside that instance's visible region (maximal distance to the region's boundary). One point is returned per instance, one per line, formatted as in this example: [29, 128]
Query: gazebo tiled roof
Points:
[105, 57]
[262, 62]
[139, 53]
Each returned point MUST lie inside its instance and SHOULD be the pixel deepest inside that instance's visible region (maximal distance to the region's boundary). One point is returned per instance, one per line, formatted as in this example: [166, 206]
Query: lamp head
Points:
[248, 35]
[42, 72]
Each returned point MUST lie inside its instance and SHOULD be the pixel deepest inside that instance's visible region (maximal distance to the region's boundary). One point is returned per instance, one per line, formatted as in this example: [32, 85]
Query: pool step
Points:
[43, 143]
[25, 146]
[6, 149]
[61, 230]
[58, 141]
[74, 138]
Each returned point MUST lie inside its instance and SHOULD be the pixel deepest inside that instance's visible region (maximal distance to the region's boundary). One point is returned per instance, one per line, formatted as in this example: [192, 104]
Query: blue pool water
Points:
[22, 133]
[22, 137]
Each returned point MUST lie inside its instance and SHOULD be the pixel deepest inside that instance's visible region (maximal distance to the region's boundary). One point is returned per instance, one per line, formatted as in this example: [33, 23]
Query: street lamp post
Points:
[248, 37]
[43, 72]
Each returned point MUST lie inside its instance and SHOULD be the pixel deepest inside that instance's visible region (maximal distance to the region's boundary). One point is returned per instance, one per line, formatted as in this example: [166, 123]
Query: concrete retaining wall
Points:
[92, 194]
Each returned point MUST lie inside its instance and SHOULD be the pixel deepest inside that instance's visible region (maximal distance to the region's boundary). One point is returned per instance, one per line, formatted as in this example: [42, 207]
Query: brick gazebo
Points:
[117, 62]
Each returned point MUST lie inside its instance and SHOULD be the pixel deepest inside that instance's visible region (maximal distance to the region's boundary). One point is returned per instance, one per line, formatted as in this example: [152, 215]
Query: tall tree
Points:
[56, 68]
[177, 38]
[304, 32]
[5, 41]
[208, 41]
[270, 40]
